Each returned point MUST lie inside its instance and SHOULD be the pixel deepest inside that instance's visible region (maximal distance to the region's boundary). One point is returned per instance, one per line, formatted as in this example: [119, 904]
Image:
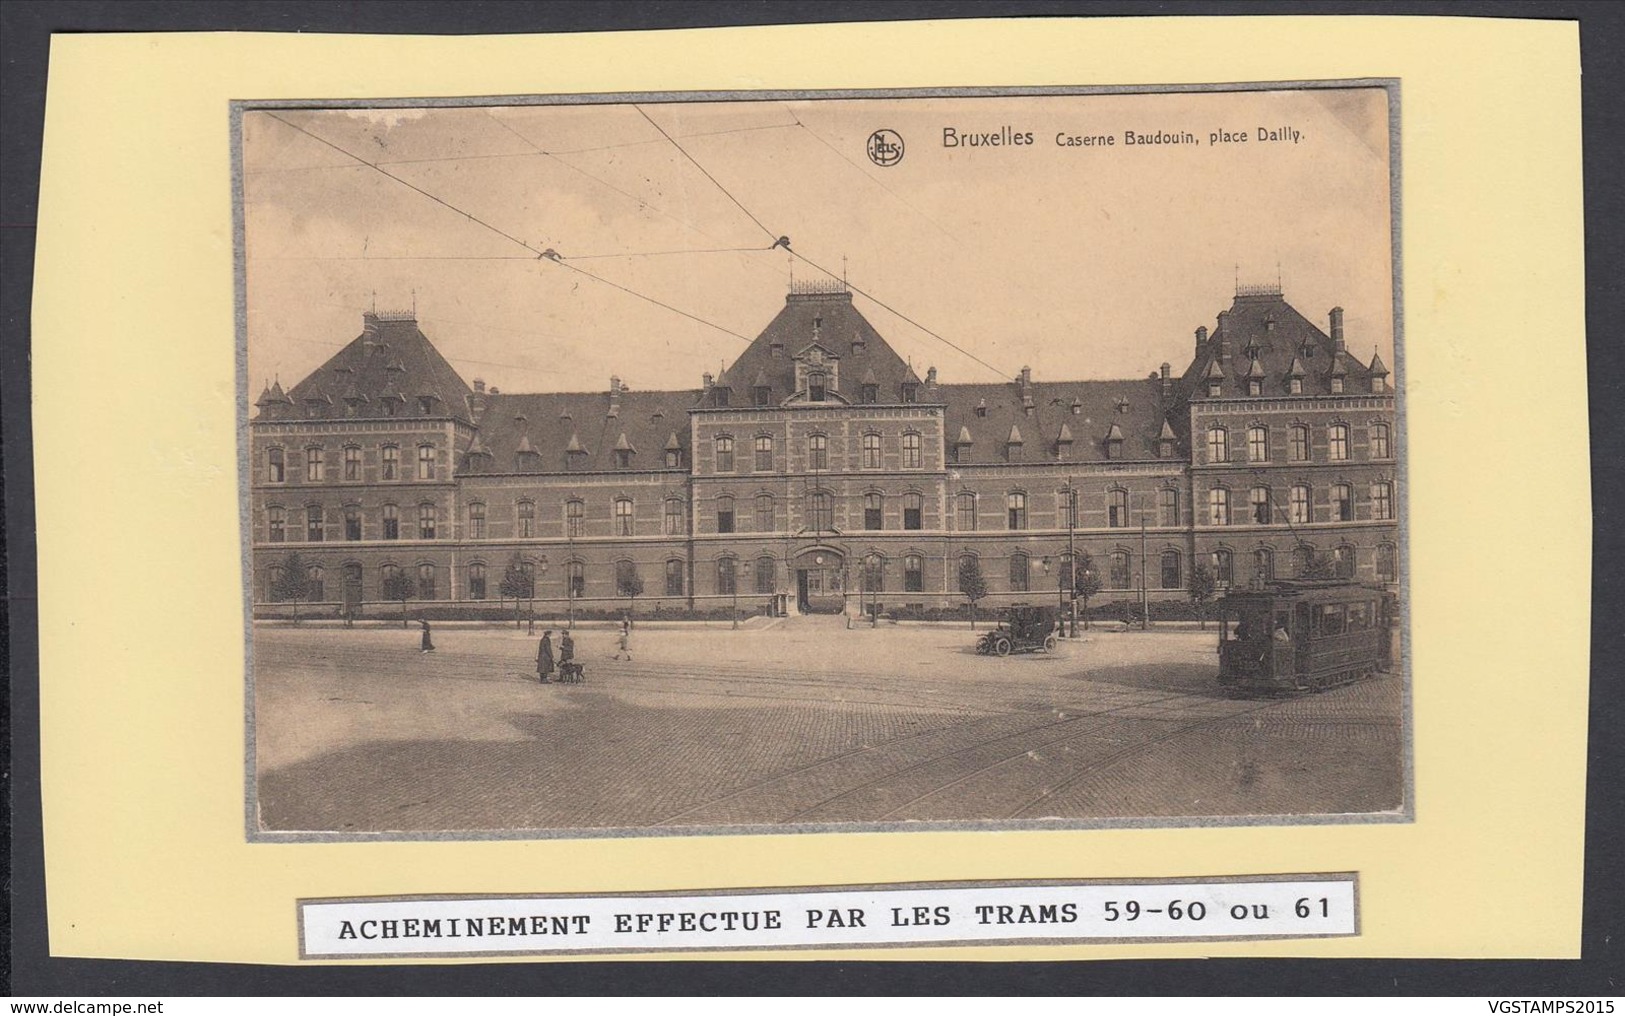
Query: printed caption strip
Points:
[1206, 909]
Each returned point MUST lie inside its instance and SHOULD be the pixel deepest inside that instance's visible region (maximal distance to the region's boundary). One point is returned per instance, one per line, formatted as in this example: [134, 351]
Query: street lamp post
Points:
[1072, 550]
[870, 580]
[1145, 598]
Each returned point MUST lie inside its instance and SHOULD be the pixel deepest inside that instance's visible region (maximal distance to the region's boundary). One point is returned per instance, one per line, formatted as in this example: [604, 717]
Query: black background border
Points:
[25, 29]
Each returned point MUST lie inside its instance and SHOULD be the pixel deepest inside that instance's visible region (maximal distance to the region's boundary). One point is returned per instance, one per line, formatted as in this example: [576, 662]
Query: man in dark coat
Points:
[544, 657]
[428, 645]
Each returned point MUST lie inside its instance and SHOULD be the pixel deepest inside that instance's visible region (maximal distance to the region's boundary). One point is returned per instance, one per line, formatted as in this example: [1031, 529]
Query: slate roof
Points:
[1293, 343]
[1142, 418]
[390, 359]
[646, 423]
[840, 329]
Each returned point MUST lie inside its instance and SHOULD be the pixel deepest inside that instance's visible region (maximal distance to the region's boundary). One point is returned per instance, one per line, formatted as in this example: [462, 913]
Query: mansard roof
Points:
[1261, 326]
[579, 423]
[1131, 408]
[823, 316]
[390, 359]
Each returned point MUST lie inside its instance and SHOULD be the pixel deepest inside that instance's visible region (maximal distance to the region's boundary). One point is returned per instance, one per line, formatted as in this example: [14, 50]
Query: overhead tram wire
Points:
[635, 199]
[782, 241]
[881, 303]
[541, 255]
[770, 234]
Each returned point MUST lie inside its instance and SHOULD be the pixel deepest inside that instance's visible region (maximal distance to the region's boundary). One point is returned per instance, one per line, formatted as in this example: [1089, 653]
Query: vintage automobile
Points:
[1025, 630]
[1304, 635]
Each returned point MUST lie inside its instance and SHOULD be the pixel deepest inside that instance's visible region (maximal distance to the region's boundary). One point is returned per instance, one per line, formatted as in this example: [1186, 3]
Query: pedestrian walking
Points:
[626, 638]
[544, 657]
[428, 643]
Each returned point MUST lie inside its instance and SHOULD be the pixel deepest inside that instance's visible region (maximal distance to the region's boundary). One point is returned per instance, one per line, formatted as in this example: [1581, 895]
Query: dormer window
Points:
[981, 408]
[426, 404]
[1077, 407]
[1215, 388]
[723, 395]
[1165, 448]
[910, 390]
[674, 458]
[623, 458]
[1294, 386]
[776, 349]
[871, 394]
[815, 388]
[1255, 387]
[1337, 385]
[761, 394]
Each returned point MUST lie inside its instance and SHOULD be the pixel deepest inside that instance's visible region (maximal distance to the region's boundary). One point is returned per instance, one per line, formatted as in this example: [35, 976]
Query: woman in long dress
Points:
[428, 645]
[544, 657]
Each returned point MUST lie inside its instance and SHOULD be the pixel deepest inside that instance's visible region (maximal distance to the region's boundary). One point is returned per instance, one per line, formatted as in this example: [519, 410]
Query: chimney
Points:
[1167, 380]
[476, 402]
[931, 383]
[1337, 329]
[708, 380]
[1026, 378]
[1201, 337]
[614, 396]
[479, 386]
[369, 323]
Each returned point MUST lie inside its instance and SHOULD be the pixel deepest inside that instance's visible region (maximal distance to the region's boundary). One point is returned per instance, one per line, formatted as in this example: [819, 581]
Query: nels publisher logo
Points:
[885, 148]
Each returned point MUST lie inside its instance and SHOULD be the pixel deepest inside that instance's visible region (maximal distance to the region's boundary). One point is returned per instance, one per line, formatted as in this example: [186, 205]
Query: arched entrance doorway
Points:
[820, 580]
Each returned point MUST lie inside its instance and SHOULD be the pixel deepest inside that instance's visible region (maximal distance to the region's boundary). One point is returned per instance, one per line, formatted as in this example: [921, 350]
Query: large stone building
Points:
[820, 472]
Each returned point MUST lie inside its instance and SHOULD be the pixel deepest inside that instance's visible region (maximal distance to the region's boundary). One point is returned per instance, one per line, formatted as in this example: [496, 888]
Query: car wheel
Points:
[1002, 647]
[1050, 642]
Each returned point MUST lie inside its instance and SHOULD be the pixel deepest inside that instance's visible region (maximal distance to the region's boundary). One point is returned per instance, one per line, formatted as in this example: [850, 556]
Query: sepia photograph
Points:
[692, 463]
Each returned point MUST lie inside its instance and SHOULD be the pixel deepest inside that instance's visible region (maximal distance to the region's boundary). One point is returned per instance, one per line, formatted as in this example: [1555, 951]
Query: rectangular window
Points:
[764, 513]
[912, 457]
[823, 512]
[966, 513]
[627, 578]
[1258, 444]
[674, 578]
[623, 458]
[1016, 509]
[314, 523]
[426, 521]
[352, 522]
[1170, 570]
[1020, 573]
[725, 514]
[761, 395]
[1223, 569]
[1169, 506]
[912, 511]
[275, 468]
[574, 518]
[764, 454]
[871, 511]
[675, 523]
[725, 577]
[476, 521]
[527, 519]
[575, 582]
[1382, 501]
[766, 575]
[1120, 571]
[1298, 445]
[913, 574]
[426, 462]
[724, 396]
[1066, 508]
[313, 465]
[278, 531]
[1259, 498]
[392, 522]
[1386, 559]
[476, 581]
[1379, 441]
[871, 451]
[1218, 446]
[818, 452]
[623, 516]
[426, 590]
[725, 454]
[391, 464]
[1298, 507]
[1117, 509]
[1338, 441]
[352, 463]
[1218, 507]
[1342, 502]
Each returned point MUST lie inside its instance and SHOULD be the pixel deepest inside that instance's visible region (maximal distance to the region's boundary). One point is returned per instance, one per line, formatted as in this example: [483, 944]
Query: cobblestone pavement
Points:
[801, 721]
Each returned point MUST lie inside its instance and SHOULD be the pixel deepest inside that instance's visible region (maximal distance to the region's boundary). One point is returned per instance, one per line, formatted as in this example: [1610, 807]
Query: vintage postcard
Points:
[686, 463]
[586, 483]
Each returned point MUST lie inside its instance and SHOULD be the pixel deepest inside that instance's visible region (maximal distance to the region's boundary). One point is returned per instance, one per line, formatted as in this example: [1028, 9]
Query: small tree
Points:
[1085, 583]
[292, 584]
[629, 583]
[398, 586]
[1201, 590]
[517, 584]
[971, 584]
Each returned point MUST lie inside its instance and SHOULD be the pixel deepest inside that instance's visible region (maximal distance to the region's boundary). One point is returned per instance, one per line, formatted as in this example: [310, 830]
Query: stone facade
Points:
[820, 472]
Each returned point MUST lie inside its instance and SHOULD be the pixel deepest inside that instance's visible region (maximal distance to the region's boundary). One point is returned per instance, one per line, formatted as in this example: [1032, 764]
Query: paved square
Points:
[797, 721]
